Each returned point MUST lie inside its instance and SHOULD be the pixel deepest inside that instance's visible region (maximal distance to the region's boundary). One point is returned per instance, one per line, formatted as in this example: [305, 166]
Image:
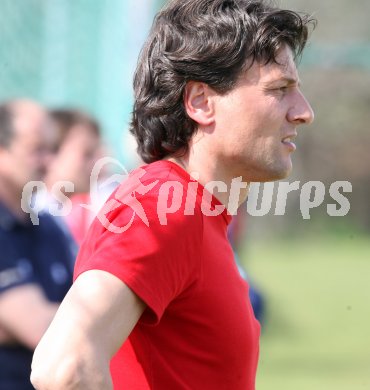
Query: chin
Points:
[282, 171]
[284, 174]
[273, 175]
[265, 171]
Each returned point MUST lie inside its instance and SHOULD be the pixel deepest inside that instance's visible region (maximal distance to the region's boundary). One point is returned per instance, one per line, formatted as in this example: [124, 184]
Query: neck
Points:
[11, 198]
[229, 190]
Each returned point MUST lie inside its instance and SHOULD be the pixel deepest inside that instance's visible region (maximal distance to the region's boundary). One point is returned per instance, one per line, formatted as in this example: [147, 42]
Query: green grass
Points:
[316, 334]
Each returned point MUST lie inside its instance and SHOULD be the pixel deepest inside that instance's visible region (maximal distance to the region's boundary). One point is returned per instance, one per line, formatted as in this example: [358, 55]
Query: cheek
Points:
[82, 169]
[262, 117]
[29, 163]
[66, 167]
[267, 126]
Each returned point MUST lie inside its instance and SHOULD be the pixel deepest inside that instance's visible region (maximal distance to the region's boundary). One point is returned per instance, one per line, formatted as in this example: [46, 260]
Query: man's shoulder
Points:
[155, 174]
[161, 185]
[155, 197]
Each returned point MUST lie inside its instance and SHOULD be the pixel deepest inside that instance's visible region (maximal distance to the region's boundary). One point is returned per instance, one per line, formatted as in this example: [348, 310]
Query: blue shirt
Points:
[39, 254]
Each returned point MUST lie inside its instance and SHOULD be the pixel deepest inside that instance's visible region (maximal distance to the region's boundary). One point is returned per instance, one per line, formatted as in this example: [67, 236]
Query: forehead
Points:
[283, 68]
[31, 124]
[27, 117]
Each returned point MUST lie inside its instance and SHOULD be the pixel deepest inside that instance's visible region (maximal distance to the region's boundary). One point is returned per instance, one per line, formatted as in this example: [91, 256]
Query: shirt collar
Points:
[8, 220]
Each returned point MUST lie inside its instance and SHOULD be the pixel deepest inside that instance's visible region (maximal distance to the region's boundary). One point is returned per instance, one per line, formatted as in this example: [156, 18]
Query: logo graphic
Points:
[126, 195]
[170, 196]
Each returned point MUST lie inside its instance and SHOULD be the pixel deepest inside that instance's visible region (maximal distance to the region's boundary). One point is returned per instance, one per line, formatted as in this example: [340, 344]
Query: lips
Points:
[288, 141]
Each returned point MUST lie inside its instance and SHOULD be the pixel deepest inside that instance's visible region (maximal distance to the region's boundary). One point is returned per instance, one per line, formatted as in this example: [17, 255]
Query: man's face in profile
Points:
[257, 121]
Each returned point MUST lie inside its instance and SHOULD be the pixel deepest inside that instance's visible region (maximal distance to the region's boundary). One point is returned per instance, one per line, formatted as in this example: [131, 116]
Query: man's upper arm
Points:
[97, 315]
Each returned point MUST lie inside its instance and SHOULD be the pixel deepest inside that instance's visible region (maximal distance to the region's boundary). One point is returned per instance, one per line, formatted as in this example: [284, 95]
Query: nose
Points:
[47, 157]
[301, 111]
[44, 159]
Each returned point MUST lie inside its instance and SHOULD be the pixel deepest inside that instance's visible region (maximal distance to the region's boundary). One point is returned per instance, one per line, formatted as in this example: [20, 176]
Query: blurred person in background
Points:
[36, 263]
[161, 305]
[76, 148]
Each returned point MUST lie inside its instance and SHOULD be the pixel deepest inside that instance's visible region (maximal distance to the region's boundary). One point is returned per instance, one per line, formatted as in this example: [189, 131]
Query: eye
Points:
[282, 89]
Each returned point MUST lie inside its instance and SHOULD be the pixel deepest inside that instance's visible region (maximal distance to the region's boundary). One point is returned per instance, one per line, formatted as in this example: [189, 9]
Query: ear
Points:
[198, 102]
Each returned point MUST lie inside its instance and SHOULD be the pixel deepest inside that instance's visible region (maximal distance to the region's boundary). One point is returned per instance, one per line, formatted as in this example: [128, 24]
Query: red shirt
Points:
[199, 330]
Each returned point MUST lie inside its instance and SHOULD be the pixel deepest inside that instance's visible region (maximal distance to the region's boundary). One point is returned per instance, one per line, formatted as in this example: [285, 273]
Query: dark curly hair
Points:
[210, 41]
[66, 119]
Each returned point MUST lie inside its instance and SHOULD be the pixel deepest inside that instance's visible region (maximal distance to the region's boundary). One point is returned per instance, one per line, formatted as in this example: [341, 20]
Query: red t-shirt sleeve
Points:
[158, 262]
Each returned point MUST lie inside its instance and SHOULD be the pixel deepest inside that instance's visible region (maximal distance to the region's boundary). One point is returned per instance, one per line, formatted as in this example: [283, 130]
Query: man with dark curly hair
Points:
[158, 302]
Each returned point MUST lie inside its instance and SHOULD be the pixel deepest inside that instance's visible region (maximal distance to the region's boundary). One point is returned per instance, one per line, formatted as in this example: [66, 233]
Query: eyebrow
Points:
[288, 80]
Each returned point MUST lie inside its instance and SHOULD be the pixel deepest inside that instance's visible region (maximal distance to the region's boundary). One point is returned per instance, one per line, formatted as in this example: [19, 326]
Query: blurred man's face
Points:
[76, 157]
[27, 155]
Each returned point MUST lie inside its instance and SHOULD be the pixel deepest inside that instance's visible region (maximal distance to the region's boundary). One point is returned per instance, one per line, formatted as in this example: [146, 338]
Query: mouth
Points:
[288, 141]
